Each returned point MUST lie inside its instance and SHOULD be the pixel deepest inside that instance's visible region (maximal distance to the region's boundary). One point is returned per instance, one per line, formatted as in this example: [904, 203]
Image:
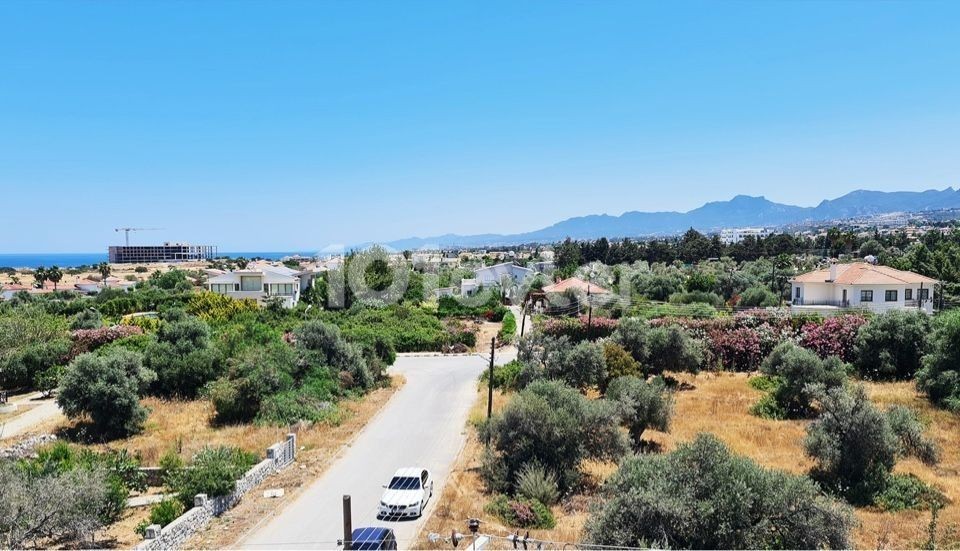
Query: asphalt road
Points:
[423, 425]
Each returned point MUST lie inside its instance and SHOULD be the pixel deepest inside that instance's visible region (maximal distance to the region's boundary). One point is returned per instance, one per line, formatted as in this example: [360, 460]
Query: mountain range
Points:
[741, 211]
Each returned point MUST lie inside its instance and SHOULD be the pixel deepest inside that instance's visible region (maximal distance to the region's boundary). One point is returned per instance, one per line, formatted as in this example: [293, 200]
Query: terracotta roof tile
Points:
[574, 283]
[861, 273]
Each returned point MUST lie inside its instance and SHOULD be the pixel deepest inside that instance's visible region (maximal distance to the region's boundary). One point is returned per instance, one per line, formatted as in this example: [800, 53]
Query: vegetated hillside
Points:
[742, 210]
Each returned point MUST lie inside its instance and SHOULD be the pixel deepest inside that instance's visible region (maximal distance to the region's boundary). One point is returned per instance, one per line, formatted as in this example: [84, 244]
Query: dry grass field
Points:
[185, 427]
[719, 403]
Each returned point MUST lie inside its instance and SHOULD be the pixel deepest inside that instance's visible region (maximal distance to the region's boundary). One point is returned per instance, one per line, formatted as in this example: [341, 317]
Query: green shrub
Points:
[534, 482]
[939, 378]
[852, 444]
[582, 367]
[182, 357]
[671, 348]
[758, 297]
[693, 297]
[802, 374]
[553, 424]
[87, 319]
[906, 491]
[213, 471]
[764, 383]
[911, 440]
[619, 362]
[162, 513]
[701, 496]
[31, 341]
[259, 373]
[106, 387]
[521, 513]
[891, 345]
[767, 407]
[509, 328]
[292, 406]
[631, 334]
[505, 376]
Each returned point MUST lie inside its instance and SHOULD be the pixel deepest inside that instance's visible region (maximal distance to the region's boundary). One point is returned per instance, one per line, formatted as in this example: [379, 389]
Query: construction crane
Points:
[127, 231]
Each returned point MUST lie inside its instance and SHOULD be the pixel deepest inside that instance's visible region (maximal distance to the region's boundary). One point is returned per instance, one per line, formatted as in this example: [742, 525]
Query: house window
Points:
[924, 294]
[890, 295]
[866, 296]
[249, 283]
[797, 292]
[222, 288]
[908, 294]
[285, 289]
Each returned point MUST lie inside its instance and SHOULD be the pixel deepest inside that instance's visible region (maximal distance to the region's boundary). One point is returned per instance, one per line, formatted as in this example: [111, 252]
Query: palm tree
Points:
[39, 276]
[54, 274]
[104, 270]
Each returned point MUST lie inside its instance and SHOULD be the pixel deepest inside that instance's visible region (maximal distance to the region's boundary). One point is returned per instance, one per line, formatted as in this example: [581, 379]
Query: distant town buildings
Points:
[729, 236]
[168, 252]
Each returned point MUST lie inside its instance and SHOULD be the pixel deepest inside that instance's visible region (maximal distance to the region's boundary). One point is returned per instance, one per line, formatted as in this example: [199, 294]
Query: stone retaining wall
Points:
[173, 535]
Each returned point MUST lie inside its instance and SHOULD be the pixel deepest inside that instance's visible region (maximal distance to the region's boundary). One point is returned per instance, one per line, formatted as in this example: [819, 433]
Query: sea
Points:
[72, 260]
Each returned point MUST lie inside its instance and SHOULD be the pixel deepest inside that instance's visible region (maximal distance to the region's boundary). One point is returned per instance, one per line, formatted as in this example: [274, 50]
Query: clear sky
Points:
[292, 125]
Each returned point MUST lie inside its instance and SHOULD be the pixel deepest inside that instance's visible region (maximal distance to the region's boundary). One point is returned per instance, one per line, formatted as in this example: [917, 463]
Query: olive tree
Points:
[800, 375]
[852, 444]
[642, 404]
[107, 388]
[701, 496]
[554, 425]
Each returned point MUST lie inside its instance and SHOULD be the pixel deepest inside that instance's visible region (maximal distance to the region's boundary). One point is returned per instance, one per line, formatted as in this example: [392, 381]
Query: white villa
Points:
[504, 275]
[262, 282]
[861, 285]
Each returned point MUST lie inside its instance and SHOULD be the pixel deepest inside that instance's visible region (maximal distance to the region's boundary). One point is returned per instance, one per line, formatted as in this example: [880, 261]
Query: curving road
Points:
[422, 426]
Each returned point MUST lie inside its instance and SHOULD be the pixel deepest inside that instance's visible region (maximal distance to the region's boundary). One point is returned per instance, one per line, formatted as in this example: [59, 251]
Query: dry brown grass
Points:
[720, 404]
[185, 427]
[321, 444]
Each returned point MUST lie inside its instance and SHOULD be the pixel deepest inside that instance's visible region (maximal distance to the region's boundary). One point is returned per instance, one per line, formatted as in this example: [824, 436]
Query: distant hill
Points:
[741, 211]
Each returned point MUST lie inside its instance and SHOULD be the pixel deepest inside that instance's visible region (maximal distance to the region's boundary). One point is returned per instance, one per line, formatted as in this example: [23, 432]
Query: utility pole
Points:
[589, 310]
[523, 317]
[493, 344]
[347, 525]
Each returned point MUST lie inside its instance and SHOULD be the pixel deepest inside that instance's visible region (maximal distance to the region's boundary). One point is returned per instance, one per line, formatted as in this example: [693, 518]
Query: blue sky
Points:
[292, 125]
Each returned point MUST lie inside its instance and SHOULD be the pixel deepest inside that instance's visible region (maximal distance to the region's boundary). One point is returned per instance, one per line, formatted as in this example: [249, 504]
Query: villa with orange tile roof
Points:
[576, 284]
[864, 286]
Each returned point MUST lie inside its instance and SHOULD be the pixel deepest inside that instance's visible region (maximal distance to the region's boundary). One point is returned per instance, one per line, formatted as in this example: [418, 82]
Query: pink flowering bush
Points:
[834, 337]
[87, 340]
[739, 349]
[579, 328]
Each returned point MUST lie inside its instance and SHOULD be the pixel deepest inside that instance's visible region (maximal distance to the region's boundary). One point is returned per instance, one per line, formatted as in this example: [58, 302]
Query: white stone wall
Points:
[173, 535]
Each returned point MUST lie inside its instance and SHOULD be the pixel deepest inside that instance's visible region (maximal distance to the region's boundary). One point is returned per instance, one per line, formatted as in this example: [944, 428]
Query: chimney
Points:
[833, 271]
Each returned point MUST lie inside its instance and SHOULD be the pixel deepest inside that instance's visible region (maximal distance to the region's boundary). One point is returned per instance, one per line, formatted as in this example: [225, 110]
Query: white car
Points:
[407, 493]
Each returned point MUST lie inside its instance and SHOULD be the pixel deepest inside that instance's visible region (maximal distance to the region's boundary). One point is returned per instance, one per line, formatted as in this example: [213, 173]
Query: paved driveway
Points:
[422, 426]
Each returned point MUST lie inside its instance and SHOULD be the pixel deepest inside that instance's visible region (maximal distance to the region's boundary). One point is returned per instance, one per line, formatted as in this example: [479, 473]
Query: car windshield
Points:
[405, 483]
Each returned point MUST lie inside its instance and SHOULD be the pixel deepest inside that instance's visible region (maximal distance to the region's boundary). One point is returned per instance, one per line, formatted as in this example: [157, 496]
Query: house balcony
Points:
[825, 303]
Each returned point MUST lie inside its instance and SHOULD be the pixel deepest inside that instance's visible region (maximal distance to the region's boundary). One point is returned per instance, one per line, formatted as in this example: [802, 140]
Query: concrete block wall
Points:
[175, 534]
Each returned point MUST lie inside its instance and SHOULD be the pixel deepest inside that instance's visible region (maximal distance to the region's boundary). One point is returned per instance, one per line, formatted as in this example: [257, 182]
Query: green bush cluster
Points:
[212, 471]
[800, 375]
[701, 496]
[162, 514]
[551, 424]
[855, 446]
[279, 384]
[521, 512]
[509, 328]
